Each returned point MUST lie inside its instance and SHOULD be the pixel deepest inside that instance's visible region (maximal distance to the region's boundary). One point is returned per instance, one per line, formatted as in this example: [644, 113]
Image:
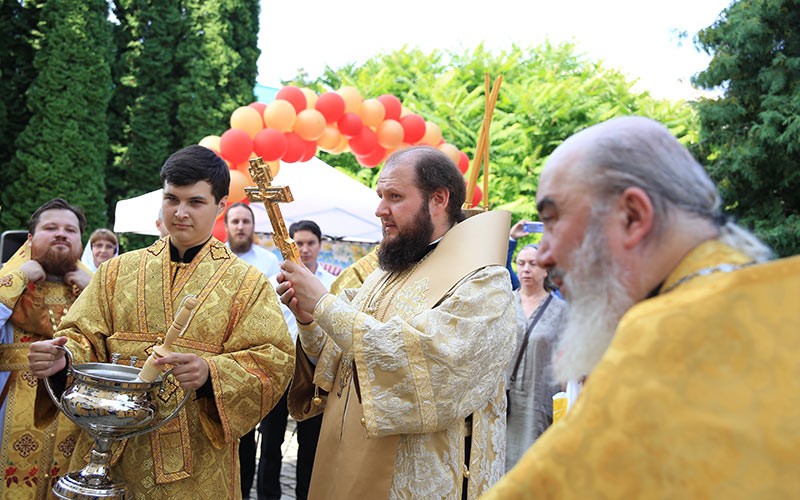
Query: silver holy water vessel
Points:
[110, 403]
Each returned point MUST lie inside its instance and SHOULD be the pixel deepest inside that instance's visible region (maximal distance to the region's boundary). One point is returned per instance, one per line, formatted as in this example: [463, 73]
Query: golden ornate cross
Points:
[270, 196]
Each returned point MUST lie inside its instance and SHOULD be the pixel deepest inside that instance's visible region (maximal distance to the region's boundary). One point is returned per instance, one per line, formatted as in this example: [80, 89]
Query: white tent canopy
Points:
[343, 207]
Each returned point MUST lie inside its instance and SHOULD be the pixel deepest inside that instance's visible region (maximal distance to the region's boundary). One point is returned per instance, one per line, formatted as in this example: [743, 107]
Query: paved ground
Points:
[289, 463]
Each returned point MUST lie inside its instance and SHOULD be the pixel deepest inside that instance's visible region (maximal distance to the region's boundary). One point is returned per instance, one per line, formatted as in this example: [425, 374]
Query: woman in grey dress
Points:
[530, 385]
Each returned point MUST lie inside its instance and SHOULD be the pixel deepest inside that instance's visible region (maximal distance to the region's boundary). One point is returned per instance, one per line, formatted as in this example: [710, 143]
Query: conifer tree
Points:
[17, 25]
[144, 105]
[218, 56]
[64, 147]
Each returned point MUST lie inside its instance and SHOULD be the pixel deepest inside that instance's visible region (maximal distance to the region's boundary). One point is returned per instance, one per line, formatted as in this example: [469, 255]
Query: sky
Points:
[638, 37]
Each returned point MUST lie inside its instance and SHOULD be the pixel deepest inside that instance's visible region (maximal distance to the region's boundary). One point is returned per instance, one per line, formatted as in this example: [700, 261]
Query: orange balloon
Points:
[245, 169]
[238, 182]
[372, 112]
[211, 142]
[280, 115]
[352, 99]
[311, 97]
[433, 135]
[390, 134]
[329, 139]
[342, 146]
[247, 119]
[310, 124]
[451, 151]
[274, 167]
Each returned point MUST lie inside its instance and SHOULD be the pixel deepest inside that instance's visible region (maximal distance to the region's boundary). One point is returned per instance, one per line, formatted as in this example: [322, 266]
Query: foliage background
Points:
[750, 136]
[91, 104]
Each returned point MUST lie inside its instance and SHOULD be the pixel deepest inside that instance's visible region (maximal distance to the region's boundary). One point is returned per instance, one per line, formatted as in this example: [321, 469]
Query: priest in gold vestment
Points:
[236, 354]
[689, 339]
[37, 287]
[414, 360]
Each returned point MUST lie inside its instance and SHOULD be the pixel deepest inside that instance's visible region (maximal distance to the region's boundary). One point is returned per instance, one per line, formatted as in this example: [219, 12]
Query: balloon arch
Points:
[299, 121]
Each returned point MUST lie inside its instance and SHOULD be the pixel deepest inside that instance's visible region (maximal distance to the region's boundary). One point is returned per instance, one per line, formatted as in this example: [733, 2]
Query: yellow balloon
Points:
[352, 99]
[372, 112]
[311, 97]
[247, 119]
[280, 115]
[450, 151]
[433, 135]
[329, 139]
[310, 124]
[210, 142]
[274, 167]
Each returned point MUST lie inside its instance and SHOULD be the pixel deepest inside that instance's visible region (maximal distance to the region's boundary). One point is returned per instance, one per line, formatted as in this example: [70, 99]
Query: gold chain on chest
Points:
[55, 299]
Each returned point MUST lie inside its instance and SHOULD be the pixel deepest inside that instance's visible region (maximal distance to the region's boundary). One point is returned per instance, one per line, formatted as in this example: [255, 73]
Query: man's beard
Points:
[241, 245]
[58, 263]
[597, 301]
[410, 246]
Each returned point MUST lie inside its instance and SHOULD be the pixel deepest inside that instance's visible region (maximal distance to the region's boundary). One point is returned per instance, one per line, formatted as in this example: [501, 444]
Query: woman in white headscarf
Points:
[103, 245]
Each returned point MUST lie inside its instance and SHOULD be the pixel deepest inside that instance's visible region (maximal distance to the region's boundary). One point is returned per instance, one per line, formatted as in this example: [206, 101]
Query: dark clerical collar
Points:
[188, 255]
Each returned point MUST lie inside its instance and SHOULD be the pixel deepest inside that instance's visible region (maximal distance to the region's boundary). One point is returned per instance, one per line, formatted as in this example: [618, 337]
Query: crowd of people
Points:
[428, 368]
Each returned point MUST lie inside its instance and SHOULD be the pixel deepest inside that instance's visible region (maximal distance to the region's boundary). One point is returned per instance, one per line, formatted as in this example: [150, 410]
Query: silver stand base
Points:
[73, 487]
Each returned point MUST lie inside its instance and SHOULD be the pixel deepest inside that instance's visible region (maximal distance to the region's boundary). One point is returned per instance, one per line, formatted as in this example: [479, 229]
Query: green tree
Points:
[751, 135]
[218, 58]
[17, 39]
[64, 147]
[145, 102]
[548, 93]
[180, 71]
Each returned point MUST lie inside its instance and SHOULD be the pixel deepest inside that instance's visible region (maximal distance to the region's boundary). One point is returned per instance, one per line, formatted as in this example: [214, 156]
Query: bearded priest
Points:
[38, 285]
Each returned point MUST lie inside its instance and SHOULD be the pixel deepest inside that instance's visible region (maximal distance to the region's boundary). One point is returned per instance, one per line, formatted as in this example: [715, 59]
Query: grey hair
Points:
[642, 153]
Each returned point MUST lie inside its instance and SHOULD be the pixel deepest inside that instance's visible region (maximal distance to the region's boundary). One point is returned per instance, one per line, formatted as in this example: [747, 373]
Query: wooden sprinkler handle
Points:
[150, 371]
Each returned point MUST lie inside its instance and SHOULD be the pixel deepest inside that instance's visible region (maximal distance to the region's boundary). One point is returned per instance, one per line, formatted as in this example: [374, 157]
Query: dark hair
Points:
[195, 163]
[57, 204]
[240, 204]
[435, 170]
[305, 225]
[547, 283]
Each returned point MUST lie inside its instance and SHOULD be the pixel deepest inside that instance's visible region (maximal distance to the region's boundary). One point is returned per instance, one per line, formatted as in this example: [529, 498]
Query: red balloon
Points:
[364, 143]
[331, 105]
[219, 231]
[477, 196]
[258, 106]
[393, 106]
[270, 144]
[294, 95]
[351, 124]
[235, 145]
[413, 128]
[373, 159]
[309, 151]
[295, 148]
[463, 162]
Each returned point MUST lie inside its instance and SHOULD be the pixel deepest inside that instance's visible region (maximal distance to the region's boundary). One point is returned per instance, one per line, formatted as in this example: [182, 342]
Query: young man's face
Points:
[309, 247]
[189, 213]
